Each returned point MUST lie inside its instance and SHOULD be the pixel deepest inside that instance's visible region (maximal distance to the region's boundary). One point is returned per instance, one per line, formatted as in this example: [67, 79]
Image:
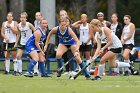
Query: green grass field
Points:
[109, 84]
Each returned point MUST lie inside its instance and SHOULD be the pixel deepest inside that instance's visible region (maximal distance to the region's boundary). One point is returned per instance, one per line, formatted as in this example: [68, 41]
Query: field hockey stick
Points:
[60, 69]
[79, 73]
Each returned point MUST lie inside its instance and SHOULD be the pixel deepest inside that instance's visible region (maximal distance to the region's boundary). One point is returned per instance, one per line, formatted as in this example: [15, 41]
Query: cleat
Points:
[35, 74]
[15, 73]
[19, 73]
[88, 78]
[28, 74]
[59, 73]
[47, 76]
[126, 73]
[97, 78]
[6, 73]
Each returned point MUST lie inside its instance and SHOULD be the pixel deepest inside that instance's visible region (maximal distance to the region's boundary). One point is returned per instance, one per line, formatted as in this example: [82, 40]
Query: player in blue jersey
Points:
[35, 51]
[67, 39]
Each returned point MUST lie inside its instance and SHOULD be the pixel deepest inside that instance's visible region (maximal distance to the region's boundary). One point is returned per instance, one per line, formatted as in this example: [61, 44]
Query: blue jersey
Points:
[65, 38]
[30, 44]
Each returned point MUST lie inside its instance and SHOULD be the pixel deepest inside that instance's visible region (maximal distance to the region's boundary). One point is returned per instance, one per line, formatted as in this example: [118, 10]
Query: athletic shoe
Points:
[28, 74]
[115, 74]
[47, 76]
[59, 73]
[88, 78]
[6, 72]
[20, 73]
[97, 78]
[15, 73]
[126, 73]
[35, 74]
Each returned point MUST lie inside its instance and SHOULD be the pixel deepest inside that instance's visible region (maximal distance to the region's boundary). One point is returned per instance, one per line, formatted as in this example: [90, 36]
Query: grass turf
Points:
[109, 84]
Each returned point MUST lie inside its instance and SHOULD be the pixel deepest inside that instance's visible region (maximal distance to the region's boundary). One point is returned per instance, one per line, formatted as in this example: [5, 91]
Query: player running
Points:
[67, 39]
[113, 45]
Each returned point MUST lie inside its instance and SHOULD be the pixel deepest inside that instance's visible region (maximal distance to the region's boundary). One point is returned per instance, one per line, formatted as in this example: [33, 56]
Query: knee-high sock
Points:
[101, 68]
[87, 62]
[7, 65]
[59, 61]
[15, 65]
[31, 65]
[42, 68]
[36, 68]
[117, 68]
[122, 64]
[19, 65]
[85, 71]
[126, 61]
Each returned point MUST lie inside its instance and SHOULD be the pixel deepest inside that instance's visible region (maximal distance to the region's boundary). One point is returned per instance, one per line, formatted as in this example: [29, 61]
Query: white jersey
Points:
[104, 23]
[104, 40]
[84, 34]
[116, 42]
[8, 32]
[126, 31]
[26, 32]
[36, 24]
[114, 27]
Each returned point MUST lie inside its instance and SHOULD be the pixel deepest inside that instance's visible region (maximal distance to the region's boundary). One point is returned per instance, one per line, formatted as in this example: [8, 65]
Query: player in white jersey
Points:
[38, 17]
[117, 28]
[100, 16]
[85, 46]
[127, 39]
[9, 34]
[113, 45]
[25, 31]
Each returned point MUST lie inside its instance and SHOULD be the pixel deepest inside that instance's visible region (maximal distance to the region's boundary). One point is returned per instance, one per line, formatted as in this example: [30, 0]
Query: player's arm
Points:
[53, 31]
[107, 32]
[122, 38]
[75, 38]
[14, 29]
[32, 27]
[17, 37]
[37, 35]
[3, 33]
[77, 24]
[132, 29]
[97, 52]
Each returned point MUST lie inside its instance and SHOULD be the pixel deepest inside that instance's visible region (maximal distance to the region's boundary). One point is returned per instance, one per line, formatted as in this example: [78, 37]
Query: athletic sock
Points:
[122, 64]
[87, 62]
[36, 68]
[42, 68]
[59, 61]
[126, 68]
[85, 71]
[7, 65]
[15, 65]
[31, 65]
[117, 68]
[19, 65]
[101, 68]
